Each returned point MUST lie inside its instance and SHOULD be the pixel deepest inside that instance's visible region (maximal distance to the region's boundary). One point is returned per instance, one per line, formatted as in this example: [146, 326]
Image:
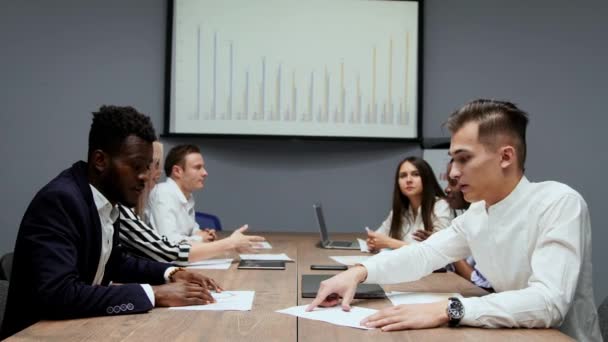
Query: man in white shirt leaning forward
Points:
[532, 241]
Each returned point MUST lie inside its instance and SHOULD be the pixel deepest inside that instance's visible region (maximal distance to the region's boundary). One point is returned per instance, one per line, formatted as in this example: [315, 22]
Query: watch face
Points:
[455, 309]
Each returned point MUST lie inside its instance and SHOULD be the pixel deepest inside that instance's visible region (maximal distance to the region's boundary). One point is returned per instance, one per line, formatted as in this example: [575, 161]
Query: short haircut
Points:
[177, 156]
[112, 125]
[495, 118]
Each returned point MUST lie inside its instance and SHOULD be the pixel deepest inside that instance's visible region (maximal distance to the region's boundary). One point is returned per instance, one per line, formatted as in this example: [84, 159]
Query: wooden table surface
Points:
[274, 290]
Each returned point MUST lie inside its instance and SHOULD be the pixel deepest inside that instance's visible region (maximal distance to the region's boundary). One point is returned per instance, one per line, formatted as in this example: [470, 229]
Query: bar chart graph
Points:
[283, 75]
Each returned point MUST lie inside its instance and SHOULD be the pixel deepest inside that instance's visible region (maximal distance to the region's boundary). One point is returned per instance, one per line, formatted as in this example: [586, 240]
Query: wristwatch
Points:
[455, 311]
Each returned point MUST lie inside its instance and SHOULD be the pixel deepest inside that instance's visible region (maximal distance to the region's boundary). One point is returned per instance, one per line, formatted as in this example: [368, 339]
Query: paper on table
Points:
[363, 246]
[281, 256]
[226, 301]
[349, 260]
[398, 298]
[215, 264]
[262, 245]
[333, 315]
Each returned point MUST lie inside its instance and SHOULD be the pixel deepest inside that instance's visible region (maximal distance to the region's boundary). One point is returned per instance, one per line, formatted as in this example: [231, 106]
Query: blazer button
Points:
[123, 307]
[117, 309]
[130, 306]
[110, 310]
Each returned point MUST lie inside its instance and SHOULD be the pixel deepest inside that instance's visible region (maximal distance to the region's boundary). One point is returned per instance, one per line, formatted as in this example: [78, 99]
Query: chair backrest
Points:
[6, 265]
[602, 312]
[205, 220]
[3, 297]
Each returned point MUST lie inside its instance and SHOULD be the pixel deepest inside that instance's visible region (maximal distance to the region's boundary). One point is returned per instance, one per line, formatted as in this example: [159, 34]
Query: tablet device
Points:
[261, 265]
[329, 267]
[310, 286]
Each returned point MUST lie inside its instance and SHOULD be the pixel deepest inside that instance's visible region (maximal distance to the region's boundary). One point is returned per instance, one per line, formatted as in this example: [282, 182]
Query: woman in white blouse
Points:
[419, 208]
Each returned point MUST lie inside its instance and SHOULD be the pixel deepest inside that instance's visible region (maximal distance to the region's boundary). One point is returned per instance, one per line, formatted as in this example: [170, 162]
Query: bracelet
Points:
[175, 270]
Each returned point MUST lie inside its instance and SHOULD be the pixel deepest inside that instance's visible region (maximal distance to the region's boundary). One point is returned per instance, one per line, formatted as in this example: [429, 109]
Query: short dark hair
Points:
[177, 156]
[112, 125]
[494, 118]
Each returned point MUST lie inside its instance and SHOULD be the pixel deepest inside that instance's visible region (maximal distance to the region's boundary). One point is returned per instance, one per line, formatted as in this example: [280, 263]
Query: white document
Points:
[262, 245]
[334, 315]
[349, 260]
[281, 256]
[225, 301]
[398, 298]
[211, 264]
[363, 246]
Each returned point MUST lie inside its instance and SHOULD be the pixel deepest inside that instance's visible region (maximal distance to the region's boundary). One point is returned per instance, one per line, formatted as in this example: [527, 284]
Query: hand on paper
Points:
[197, 278]
[409, 316]
[181, 294]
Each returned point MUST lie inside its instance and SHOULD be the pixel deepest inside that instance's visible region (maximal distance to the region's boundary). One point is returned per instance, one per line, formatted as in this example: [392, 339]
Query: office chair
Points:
[3, 297]
[6, 264]
[602, 312]
[205, 220]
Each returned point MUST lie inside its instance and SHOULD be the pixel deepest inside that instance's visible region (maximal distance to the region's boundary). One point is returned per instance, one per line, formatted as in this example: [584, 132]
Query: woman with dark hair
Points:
[419, 207]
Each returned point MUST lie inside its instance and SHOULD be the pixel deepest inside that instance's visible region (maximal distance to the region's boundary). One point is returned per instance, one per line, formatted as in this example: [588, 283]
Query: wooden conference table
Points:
[274, 290]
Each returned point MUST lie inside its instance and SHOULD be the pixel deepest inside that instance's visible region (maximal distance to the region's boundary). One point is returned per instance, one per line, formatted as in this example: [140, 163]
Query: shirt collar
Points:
[514, 197]
[104, 207]
[180, 194]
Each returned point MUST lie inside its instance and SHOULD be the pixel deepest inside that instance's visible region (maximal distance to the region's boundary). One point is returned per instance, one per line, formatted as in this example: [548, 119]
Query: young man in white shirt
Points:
[170, 208]
[532, 241]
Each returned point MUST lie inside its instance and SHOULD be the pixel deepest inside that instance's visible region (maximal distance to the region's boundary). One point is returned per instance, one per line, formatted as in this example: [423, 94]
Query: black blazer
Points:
[56, 257]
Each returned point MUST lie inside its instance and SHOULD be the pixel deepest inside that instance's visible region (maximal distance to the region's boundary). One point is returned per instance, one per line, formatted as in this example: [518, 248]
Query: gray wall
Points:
[61, 60]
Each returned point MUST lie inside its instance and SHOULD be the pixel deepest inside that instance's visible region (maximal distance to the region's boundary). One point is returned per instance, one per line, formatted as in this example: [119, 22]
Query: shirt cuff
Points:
[472, 311]
[149, 292]
[372, 272]
[167, 272]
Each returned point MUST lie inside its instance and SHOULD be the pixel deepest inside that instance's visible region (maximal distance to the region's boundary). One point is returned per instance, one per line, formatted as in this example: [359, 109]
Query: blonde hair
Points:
[154, 172]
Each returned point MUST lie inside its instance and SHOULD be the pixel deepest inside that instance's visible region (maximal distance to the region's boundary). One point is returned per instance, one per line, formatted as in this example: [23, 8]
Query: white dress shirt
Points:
[441, 218]
[534, 247]
[108, 214]
[171, 213]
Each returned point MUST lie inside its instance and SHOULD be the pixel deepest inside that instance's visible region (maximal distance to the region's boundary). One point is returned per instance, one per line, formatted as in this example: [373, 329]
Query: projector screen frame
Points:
[166, 133]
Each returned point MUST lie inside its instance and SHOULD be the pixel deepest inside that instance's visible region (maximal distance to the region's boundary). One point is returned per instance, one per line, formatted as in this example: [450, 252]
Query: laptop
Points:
[325, 241]
[310, 286]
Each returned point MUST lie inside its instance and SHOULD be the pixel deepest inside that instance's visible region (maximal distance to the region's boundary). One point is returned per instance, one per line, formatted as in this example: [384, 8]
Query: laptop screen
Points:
[321, 221]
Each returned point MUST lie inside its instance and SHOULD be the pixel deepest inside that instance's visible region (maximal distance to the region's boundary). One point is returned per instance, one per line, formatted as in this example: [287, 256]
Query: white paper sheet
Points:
[226, 301]
[262, 245]
[281, 256]
[211, 264]
[349, 260]
[363, 246]
[398, 298]
[334, 315]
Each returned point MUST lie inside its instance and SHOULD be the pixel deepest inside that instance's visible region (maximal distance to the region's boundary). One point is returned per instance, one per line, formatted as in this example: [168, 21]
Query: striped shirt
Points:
[141, 240]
